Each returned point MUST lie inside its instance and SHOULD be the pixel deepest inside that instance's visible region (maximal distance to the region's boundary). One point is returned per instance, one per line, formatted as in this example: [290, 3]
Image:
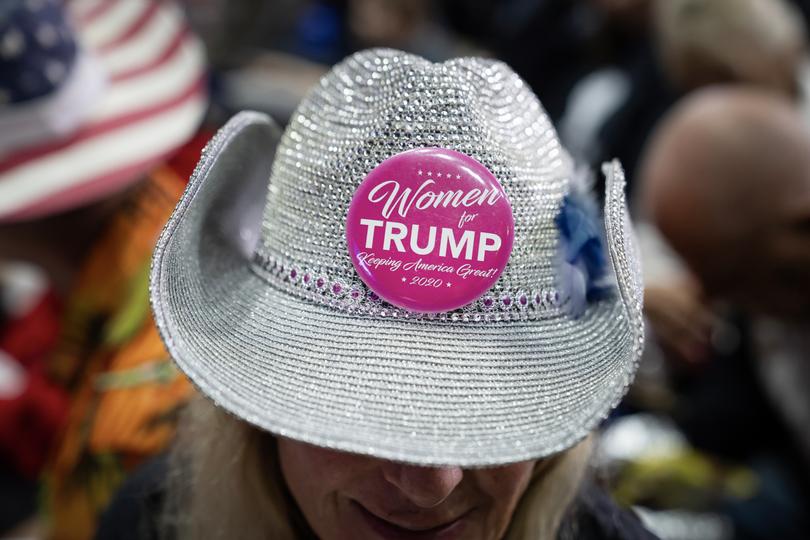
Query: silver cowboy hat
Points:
[258, 302]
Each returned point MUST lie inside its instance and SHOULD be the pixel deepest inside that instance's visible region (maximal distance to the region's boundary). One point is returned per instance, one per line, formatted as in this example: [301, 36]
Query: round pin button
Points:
[430, 230]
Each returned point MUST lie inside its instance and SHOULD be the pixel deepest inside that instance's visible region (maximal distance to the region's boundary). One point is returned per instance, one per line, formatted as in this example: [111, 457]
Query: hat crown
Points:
[378, 103]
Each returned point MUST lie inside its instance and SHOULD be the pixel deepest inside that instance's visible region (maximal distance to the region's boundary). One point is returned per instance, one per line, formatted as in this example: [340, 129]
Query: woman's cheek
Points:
[502, 488]
[317, 477]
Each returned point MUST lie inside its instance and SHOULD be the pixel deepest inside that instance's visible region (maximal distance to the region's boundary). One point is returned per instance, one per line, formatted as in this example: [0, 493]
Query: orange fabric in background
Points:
[125, 391]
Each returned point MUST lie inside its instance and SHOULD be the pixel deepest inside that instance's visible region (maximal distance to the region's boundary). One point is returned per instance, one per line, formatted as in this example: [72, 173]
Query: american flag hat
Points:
[93, 93]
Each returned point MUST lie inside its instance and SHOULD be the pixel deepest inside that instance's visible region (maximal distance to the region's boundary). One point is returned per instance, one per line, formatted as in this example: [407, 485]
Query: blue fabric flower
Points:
[583, 267]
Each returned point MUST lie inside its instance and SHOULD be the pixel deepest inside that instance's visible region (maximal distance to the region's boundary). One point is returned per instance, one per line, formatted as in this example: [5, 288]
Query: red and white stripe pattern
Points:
[154, 102]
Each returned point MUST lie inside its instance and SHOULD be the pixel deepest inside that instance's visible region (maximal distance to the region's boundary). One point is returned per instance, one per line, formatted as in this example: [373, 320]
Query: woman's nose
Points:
[424, 486]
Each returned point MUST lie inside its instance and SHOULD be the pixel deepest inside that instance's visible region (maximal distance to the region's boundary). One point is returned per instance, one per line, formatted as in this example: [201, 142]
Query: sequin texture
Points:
[288, 338]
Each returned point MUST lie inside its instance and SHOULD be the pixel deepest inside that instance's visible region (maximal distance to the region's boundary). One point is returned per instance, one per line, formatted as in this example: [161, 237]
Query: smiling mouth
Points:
[389, 530]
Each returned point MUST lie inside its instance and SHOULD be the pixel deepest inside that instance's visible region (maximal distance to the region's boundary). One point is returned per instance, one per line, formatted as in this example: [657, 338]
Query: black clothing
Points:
[595, 516]
[18, 498]
[134, 513]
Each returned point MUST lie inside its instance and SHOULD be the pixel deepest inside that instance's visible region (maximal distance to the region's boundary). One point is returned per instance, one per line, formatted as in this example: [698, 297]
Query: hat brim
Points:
[416, 391]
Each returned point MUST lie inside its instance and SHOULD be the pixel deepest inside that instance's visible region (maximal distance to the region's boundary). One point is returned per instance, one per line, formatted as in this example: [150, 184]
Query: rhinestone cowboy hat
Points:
[93, 93]
[414, 281]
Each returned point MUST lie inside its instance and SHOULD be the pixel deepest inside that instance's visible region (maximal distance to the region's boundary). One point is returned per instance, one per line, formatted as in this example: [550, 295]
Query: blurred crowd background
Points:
[705, 102]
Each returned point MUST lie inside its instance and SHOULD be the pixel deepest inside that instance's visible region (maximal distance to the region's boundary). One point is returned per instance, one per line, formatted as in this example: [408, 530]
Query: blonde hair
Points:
[225, 482]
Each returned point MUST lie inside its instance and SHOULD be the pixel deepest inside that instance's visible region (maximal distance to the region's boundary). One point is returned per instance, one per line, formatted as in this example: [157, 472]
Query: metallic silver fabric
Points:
[260, 304]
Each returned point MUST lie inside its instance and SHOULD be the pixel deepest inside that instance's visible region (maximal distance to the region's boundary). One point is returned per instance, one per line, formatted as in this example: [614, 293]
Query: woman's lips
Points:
[450, 530]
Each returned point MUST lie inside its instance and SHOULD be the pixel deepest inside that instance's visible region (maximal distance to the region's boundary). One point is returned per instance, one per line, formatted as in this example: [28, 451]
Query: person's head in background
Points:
[760, 42]
[727, 181]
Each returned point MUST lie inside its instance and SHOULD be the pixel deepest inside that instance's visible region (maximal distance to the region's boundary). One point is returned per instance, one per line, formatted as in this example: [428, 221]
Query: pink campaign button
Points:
[430, 230]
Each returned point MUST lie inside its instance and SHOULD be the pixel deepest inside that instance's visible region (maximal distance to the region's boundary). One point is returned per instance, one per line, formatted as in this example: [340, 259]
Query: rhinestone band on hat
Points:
[355, 297]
